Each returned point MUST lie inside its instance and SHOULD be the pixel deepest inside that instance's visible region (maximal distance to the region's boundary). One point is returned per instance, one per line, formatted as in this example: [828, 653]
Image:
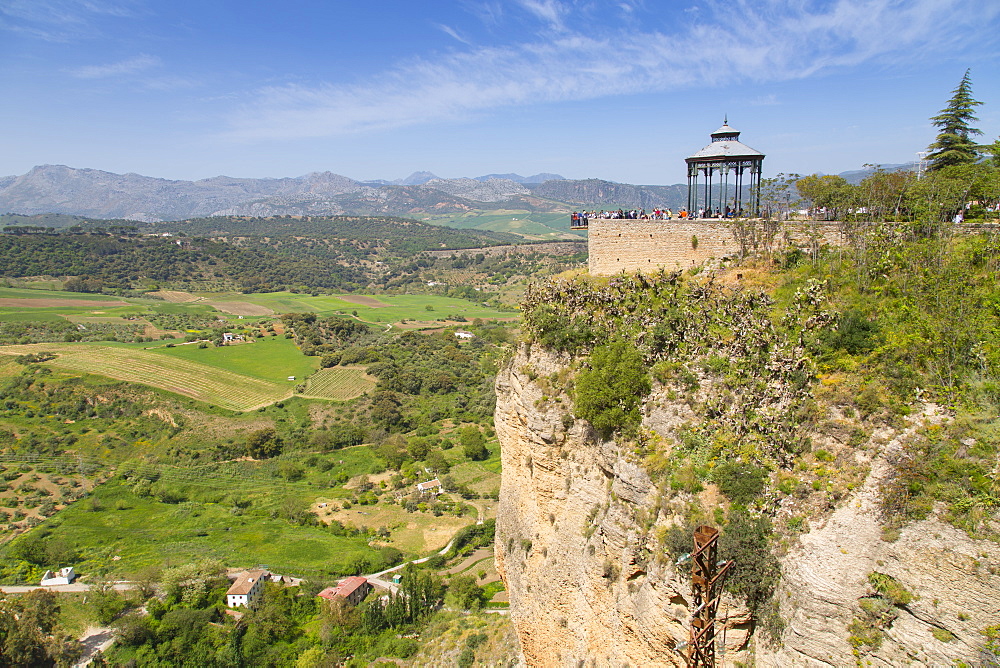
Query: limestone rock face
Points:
[955, 581]
[578, 550]
[570, 546]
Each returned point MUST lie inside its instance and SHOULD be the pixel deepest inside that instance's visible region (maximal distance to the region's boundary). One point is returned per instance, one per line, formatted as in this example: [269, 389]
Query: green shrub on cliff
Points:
[610, 391]
[755, 574]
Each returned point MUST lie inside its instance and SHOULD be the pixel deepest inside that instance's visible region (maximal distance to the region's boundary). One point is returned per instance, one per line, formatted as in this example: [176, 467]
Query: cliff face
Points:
[578, 546]
[574, 542]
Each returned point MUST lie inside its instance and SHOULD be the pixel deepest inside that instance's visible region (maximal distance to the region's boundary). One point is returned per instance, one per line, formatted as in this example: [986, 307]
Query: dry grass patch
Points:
[175, 296]
[241, 308]
[361, 300]
[413, 533]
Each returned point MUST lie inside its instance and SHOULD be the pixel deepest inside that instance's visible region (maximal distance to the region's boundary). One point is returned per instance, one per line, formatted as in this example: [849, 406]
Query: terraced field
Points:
[339, 383]
[191, 379]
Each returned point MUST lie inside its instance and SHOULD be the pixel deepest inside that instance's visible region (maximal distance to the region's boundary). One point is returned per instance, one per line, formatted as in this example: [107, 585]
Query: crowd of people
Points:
[580, 218]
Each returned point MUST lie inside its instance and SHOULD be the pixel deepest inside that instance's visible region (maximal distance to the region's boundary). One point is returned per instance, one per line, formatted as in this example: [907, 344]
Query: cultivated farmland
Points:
[339, 383]
[191, 379]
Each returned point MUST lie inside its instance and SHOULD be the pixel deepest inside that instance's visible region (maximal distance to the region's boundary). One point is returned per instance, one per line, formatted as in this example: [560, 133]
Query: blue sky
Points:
[621, 90]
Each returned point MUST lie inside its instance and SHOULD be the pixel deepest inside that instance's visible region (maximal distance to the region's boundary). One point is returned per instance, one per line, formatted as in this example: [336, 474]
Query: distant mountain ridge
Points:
[60, 189]
[91, 192]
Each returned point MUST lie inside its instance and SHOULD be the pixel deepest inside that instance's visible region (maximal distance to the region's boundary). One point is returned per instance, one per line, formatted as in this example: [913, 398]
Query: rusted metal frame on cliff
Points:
[705, 580]
[721, 575]
[710, 540]
[710, 608]
[713, 603]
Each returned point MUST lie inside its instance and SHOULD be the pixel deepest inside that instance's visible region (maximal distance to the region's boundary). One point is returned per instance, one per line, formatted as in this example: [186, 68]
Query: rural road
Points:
[76, 587]
[376, 578]
[94, 640]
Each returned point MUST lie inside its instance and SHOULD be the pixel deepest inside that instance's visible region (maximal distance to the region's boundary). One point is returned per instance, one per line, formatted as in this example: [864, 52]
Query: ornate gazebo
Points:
[721, 165]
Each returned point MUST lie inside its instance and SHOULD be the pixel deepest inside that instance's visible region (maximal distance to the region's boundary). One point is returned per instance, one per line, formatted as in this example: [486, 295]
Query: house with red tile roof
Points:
[430, 487]
[353, 589]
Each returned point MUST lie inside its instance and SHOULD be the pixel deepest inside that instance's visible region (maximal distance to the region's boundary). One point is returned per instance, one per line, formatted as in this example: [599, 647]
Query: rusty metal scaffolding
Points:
[707, 577]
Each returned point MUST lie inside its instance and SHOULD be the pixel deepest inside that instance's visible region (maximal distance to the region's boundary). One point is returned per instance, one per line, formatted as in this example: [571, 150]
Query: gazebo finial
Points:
[725, 119]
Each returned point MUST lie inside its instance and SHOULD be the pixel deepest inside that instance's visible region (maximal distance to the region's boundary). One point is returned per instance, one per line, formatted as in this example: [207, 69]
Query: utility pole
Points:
[707, 578]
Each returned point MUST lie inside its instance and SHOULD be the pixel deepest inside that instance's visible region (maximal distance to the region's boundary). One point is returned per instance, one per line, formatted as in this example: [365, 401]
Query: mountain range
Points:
[99, 194]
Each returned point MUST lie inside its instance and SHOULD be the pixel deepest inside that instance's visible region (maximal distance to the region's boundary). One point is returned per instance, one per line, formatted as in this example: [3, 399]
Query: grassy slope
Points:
[410, 307]
[269, 358]
[518, 221]
[143, 532]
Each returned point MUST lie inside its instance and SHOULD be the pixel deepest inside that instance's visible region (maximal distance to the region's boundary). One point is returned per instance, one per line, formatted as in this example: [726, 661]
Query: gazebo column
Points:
[692, 187]
[739, 188]
[708, 190]
[724, 196]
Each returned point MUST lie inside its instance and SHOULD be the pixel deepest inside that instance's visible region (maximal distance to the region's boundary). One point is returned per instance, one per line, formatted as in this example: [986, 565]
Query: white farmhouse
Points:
[247, 589]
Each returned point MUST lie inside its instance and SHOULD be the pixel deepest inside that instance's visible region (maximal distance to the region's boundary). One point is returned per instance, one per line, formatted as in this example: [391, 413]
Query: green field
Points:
[339, 383]
[52, 304]
[398, 307]
[237, 377]
[204, 382]
[269, 358]
[25, 293]
[142, 531]
[527, 223]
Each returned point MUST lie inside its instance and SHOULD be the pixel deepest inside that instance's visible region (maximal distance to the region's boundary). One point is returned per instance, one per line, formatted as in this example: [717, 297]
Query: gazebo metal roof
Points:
[729, 149]
[725, 131]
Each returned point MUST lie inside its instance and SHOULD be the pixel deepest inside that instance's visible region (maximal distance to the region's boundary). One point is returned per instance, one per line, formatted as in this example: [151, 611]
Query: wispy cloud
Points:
[451, 32]
[129, 66]
[61, 20]
[552, 12]
[750, 41]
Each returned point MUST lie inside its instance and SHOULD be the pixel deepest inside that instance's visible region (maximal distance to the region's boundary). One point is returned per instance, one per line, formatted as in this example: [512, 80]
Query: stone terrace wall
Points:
[648, 245]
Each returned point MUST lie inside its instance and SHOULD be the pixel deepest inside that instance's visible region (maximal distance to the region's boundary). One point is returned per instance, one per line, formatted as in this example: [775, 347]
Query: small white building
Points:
[247, 589]
[430, 487]
[63, 576]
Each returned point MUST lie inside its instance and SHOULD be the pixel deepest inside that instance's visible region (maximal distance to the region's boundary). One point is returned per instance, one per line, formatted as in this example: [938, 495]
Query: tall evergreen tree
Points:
[953, 145]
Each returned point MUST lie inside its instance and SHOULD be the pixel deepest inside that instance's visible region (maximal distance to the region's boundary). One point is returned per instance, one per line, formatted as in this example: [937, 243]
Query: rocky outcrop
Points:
[578, 546]
[575, 540]
[954, 580]
[491, 190]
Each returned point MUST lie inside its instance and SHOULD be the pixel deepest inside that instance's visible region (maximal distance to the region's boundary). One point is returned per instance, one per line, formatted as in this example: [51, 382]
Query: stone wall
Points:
[648, 245]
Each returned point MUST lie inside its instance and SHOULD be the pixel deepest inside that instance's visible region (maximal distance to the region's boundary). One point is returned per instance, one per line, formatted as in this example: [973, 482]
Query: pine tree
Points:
[953, 145]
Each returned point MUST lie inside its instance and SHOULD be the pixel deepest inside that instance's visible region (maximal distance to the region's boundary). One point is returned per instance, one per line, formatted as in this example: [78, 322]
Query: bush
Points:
[742, 483]
[755, 574]
[264, 443]
[609, 393]
[474, 443]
